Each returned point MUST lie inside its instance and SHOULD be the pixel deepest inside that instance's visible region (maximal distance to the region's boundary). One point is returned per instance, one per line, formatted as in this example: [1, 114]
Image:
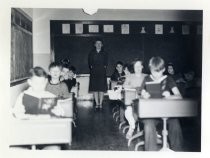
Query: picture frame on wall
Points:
[159, 29]
[125, 29]
[185, 29]
[78, 28]
[108, 28]
[93, 28]
[66, 28]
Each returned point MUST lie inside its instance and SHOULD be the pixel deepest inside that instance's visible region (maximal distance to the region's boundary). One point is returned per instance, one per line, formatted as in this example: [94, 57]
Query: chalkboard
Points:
[77, 48]
[21, 49]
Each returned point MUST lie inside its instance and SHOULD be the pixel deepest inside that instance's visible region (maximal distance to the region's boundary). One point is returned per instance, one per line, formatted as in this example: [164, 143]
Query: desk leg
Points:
[33, 147]
[70, 127]
[165, 134]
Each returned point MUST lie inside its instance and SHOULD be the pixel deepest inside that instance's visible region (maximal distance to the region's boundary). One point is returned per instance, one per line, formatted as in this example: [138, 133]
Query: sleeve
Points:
[114, 77]
[74, 82]
[90, 59]
[105, 59]
[143, 85]
[65, 91]
[170, 83]
[18, 109]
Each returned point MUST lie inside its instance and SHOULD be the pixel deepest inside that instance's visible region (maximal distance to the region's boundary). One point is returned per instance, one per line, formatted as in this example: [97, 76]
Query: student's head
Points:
[119, 66]
[72, 70]
[170, 69]
[65, 71]
[98, 44]
[55, 70]
[38, 79]
[137, 66]
[65, 61]
[157, 67]
[127, 69]
[189, 76]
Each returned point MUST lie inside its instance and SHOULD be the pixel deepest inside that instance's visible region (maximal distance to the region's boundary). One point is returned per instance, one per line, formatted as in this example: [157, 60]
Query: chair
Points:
[115, 95]
[75, 89]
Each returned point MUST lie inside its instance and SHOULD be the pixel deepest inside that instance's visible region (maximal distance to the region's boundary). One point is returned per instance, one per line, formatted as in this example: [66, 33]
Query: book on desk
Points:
[156, 88]
[38, 105]
[43, 105]
[67, 106]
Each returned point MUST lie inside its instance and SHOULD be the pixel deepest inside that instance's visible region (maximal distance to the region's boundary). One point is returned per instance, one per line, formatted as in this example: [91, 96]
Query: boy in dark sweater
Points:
[169, 90]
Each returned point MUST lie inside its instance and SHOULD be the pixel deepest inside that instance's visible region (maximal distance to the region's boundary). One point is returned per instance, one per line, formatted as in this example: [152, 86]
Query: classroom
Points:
[108, 109]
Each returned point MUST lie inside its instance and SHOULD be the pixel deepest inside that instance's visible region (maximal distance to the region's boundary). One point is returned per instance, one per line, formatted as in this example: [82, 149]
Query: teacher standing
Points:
[98, 60]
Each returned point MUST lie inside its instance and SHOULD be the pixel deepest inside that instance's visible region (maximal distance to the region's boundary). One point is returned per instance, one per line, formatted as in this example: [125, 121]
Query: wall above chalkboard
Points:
[21, 47]
[125, 27]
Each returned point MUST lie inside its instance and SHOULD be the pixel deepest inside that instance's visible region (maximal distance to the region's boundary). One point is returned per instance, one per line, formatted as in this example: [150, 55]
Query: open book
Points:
[155, 88]
[67, 106]
[38, 105]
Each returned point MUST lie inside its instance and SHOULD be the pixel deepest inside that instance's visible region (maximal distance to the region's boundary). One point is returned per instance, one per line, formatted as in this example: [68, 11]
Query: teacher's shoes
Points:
[97, 107]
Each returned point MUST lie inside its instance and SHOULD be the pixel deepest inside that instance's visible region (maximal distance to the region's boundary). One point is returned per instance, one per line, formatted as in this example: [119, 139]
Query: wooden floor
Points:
[97, 130]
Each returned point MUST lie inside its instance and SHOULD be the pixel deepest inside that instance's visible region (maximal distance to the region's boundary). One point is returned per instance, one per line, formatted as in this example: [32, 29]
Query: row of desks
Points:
[160, 108]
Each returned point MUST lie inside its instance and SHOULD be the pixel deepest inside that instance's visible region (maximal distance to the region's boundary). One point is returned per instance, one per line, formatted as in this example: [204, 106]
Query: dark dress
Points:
[97, 64]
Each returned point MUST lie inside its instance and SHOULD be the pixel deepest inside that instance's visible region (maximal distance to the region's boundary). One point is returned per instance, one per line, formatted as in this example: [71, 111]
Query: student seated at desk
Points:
[134, 80]
[168, 90]
[37, 83]
[68, 76]
[118, 76]
[127, 69]
[54, 85]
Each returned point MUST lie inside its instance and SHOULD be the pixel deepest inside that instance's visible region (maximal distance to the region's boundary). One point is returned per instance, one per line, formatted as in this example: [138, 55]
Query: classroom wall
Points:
[42, 17]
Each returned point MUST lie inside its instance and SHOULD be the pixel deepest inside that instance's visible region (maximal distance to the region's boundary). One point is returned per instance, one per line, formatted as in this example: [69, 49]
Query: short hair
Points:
[65, 66]
[72, 68]
[128, 67]
[98, 39]
[170, 64]
[55, 64]
[137, 60]
[156, 64]
[37, 71]
[119, 62]
[65, 61]
[134, 62]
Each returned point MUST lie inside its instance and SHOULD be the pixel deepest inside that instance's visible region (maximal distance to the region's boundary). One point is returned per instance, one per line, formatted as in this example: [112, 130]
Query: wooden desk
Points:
[159, 108]
[129, 95]
[164, 109]
[41, 131]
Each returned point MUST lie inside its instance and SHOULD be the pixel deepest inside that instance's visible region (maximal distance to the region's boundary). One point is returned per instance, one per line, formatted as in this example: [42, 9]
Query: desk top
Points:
[159, 108]
[40, 118]
[40, 131]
